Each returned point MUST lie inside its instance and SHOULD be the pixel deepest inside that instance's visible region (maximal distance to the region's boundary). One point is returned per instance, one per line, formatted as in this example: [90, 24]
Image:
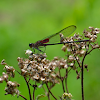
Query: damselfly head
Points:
[31, 45]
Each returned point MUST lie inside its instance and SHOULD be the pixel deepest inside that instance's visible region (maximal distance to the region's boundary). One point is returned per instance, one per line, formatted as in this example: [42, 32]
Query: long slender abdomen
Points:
[45, 41]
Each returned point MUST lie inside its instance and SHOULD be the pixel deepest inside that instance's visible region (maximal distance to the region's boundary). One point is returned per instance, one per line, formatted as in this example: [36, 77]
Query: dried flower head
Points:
[12, 88]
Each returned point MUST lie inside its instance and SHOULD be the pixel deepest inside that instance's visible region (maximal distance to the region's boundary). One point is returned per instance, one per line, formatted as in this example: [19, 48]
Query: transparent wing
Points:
[66, 32]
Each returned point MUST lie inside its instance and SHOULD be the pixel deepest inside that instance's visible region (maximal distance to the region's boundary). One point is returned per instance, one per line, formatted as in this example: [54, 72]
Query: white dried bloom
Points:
[69, 49]
[65, 66]
[23, 72]
[43, 79]
[29, 52]
[53, 75]
[55, 58]
[5, 76]
[1, 79]
[96, 46]
[97, 30]
[71, 64]
[36, 76]
[70, 58]
[93, 38]
[82, 52]
[83, 47]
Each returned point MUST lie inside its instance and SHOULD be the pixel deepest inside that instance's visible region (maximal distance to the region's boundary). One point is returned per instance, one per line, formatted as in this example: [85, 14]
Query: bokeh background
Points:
[26, 21]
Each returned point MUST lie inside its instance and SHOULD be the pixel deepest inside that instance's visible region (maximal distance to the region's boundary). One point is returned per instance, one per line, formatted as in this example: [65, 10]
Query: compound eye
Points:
[30, 45]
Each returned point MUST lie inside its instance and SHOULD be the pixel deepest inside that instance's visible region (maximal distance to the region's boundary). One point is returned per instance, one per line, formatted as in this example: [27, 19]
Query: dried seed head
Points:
[97, 30]
[70, 58]
[65, 66]
[23, 72]
[9, 68]
[82, 52]
[11, 88]
[95, 46]
[3, 62]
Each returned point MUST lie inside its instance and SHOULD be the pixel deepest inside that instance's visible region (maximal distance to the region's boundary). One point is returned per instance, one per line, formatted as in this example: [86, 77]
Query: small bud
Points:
[78, 76]
[64, 48]
[55, 58]
[18, 59]
[86, 66]
[67, 95]
[91, 27]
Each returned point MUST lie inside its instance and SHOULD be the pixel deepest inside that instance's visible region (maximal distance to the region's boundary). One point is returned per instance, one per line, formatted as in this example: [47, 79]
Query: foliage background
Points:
[26, 21]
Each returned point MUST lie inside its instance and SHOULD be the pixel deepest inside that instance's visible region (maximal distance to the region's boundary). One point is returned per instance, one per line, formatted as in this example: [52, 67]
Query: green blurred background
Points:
[26, 21]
